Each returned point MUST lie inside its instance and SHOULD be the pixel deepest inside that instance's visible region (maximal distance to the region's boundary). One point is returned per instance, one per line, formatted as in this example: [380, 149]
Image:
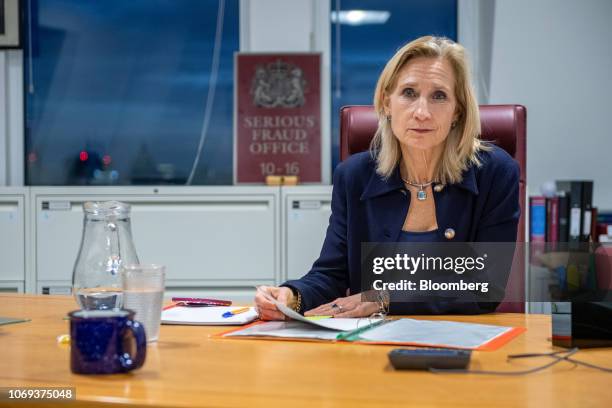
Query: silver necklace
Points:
[421, 194]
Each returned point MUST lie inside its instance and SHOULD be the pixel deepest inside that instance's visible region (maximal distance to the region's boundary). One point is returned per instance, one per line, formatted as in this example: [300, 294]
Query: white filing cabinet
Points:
[217, 241]
[306, 211]
[12, 238]
[11, 287]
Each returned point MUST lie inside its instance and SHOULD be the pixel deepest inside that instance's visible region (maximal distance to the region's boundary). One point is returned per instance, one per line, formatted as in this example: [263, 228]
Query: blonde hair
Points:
[463, 143]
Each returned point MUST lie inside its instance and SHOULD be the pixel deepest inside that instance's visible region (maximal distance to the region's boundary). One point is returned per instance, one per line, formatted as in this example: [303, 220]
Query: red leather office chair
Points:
[505, 125]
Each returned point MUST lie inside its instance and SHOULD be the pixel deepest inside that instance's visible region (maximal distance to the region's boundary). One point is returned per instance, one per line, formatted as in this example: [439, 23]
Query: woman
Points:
[427, 178]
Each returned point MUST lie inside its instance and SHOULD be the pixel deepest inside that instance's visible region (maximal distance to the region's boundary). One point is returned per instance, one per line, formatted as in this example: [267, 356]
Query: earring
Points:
[389, 118]
[453, 124]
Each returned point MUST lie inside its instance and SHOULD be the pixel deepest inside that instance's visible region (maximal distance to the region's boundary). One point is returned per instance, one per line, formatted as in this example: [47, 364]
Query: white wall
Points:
[293, 26]
[555, 57]
[3, 119]
[474, 32]
[11, 118]
[276, 25]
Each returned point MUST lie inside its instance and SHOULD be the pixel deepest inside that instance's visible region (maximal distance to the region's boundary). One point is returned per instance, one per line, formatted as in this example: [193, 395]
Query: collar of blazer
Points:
[378, 186]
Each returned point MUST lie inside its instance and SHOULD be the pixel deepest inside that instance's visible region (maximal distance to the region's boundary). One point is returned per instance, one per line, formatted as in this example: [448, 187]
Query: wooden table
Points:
[187, 367]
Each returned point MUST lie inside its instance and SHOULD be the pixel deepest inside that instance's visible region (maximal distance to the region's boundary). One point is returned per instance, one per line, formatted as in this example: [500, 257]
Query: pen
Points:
[235, 312]
[186, 301]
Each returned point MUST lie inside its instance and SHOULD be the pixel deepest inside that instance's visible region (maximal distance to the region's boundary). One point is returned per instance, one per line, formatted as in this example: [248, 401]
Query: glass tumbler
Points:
[143, 292]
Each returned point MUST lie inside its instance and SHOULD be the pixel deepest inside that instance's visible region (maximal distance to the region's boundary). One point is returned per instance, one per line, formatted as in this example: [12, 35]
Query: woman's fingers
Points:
[350, 306]
[266, 308]
[335, 308]
[351, 313]
[284, 296]
[365, 309]
[269, 312]
[326, 309]
[266, 314]
[313, 312]
[263, 302]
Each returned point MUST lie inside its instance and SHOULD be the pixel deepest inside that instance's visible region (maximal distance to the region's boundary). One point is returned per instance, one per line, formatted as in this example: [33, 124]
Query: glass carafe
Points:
[106, 245]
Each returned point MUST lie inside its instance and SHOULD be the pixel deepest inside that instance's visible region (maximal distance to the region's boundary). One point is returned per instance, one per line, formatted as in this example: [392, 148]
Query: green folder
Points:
[355, 334]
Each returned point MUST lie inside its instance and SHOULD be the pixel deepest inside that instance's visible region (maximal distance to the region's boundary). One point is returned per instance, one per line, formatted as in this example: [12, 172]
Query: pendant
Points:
[421, 195]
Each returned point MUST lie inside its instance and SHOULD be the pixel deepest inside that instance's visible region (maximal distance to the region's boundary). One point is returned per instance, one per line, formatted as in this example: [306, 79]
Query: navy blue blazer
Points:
[483, 207]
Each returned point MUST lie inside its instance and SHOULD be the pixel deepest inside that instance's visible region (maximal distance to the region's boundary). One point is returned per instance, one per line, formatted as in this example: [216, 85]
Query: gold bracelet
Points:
[298, 303]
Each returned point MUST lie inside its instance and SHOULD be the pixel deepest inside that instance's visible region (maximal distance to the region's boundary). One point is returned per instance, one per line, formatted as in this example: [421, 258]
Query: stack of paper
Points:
[434, 333]
[208, 315]
[376, 331]
[392, 332]
[339, 324]
[289, 330]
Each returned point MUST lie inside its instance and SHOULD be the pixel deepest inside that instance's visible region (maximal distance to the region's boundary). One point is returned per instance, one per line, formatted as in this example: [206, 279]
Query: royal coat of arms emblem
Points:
[278, 85]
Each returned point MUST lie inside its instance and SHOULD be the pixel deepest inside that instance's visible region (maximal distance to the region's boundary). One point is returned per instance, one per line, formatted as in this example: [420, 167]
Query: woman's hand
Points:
[265, 308]
[350, 306]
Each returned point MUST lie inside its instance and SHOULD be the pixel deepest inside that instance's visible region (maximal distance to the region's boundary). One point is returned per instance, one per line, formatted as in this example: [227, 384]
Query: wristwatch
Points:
[383, 300]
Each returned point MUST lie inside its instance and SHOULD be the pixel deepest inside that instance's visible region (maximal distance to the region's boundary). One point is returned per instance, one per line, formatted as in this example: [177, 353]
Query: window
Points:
[117, 91]
[365, 34]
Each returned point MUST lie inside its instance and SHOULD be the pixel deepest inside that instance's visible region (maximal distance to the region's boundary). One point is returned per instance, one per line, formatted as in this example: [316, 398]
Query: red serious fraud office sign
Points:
[278, 117]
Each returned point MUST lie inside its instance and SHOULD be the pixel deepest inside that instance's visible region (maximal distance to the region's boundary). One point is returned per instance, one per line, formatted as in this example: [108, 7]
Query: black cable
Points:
[566, 358]
[557, 355]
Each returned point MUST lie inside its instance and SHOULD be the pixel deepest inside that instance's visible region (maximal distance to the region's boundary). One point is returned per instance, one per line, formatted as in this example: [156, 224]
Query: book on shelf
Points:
[552, 220]
[537, 227]
[587, 211]
[563, 214]
[580, 211]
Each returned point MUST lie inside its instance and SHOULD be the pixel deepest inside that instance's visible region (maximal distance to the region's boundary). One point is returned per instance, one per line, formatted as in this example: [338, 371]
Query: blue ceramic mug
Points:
[106, 341]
